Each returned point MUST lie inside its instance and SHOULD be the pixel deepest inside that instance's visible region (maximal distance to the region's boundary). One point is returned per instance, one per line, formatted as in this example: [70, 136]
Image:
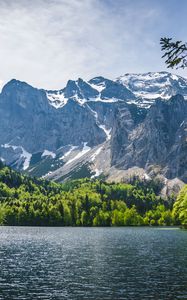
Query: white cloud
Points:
[48, 42]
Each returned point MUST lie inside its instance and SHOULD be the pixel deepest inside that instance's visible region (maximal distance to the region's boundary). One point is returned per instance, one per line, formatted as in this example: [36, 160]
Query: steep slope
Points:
[159, 140]
[97, 127]
[39, 128]
[29, 124]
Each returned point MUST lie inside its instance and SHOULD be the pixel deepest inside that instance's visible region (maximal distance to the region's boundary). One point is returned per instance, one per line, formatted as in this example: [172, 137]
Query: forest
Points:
[86, 202]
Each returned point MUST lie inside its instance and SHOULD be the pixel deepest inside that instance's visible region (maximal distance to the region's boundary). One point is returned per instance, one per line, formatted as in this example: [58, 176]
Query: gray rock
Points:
[101, 125]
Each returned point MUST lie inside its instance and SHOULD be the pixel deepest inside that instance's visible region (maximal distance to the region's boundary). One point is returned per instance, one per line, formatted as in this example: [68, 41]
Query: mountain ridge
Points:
[100, 125]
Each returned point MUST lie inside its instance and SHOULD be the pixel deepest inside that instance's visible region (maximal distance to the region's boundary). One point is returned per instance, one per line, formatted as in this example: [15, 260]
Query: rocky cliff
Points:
[136, 123]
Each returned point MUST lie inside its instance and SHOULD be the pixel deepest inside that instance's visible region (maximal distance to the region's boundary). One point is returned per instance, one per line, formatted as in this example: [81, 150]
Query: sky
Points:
[47, 42]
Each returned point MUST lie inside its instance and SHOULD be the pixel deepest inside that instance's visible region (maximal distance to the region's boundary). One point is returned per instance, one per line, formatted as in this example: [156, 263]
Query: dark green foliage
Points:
[174, 52]
[180, 207]
[40, 166]
[1, 164]
[81, 202]
[82, 171]
[36, 157]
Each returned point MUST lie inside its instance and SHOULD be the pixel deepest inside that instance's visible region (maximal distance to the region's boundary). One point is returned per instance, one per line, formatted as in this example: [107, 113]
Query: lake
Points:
[93, 263]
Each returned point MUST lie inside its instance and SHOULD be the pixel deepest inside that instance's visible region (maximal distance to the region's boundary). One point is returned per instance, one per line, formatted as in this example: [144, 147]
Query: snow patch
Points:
[84, 150]
[150, 96]
[96, 153]
[108, 100]
[107, 131]
[79, 100]
[25, 155]
[48, 153]
[174, 77]
[100, 87]
[68, 152]
[47, 174]
[56, 99]
[102, 126]
[146, 176]
[1, 85]
[97, 173]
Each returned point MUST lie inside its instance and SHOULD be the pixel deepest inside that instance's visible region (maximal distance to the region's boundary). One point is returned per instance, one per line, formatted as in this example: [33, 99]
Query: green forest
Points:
[85, 202]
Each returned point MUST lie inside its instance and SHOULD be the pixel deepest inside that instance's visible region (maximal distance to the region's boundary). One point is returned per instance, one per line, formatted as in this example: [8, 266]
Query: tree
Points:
[1, 164]
[180, 207]
[84, 202]
[174, 52]
[2, 213]
[132, 218]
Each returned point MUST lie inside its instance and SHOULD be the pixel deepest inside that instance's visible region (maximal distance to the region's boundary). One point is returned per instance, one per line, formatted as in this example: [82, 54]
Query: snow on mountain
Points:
[97, 173]
[84, 150]
[26, 156]
[66, 154]
[54, 125]
[149, 86]
[97, 89]
[139, 89]
[102, 126]
[48, 153]
[56, 98]
[96, 153]
[107, 131]
[1, 85]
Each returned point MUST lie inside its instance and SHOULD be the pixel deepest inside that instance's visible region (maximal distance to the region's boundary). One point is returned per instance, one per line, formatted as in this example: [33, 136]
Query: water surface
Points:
[93, 263]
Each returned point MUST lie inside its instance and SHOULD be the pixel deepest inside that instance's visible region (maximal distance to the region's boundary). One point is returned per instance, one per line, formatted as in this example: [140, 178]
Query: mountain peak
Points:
[101, 123]
[152, 85]
[16, 84]
[98, 80]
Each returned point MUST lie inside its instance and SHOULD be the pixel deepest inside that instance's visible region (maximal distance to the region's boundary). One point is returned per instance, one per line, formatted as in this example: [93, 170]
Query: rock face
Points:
[28, 120]
[159, 140]
[97, 127]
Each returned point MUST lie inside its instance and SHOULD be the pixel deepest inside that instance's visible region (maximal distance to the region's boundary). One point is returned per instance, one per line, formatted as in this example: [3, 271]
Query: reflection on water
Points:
[92, 263]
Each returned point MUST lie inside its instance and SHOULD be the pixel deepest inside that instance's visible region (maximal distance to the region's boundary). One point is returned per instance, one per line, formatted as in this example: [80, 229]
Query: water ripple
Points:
[92, 263]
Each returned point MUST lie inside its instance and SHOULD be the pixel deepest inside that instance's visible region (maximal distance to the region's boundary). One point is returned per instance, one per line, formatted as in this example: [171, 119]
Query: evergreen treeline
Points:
[84, 202]
[180, 207]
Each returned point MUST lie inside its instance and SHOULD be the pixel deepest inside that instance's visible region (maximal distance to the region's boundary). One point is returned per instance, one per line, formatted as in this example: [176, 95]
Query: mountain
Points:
[134, 125]
[149, 86]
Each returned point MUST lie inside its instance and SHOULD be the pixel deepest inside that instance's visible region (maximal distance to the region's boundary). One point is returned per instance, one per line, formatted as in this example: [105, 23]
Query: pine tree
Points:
[174, 52]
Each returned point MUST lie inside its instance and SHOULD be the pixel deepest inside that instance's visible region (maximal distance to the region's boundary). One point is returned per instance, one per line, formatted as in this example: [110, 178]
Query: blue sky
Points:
[48, 42]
